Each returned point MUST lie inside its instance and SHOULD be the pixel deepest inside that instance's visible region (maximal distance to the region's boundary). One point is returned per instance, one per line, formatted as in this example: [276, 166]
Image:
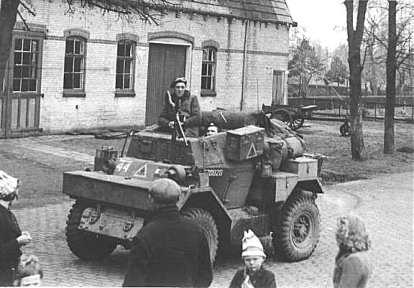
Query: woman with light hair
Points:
[352, 267]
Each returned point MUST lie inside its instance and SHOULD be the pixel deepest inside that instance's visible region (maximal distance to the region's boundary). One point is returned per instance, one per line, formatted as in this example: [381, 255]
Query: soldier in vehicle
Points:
[183, 103]
[212, 129]
[169, 250]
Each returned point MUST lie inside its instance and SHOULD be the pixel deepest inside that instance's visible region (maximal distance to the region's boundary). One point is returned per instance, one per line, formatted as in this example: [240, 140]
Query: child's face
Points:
[253, 263]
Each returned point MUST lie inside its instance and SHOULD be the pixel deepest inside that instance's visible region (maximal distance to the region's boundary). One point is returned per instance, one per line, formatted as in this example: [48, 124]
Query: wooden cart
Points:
[292, 116]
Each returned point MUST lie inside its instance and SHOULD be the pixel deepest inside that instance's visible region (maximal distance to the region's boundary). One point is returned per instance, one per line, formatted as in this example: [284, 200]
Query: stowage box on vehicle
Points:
[245, 143]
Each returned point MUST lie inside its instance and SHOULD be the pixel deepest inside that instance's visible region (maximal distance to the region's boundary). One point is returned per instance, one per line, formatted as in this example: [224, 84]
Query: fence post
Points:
[375, 111]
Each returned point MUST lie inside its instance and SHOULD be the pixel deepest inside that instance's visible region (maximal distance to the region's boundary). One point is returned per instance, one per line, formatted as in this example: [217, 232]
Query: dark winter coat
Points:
[9, 248]
[352, 270]
[260, 279]
[170, 250]
[187, 106]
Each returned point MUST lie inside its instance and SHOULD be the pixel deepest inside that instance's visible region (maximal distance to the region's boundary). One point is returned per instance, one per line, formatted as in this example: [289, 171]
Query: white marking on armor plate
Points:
[142, 171]
[252, 152]
[214, 172]
[123, 166]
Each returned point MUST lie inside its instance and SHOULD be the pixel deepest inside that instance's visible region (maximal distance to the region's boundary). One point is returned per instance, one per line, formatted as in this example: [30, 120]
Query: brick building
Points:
[89, 69]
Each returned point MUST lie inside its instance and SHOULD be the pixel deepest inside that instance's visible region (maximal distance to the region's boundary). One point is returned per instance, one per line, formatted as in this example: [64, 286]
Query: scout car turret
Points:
[241, 178]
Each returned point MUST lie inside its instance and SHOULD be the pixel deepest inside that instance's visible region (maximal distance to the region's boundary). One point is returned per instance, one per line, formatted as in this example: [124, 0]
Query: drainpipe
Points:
[244, 66]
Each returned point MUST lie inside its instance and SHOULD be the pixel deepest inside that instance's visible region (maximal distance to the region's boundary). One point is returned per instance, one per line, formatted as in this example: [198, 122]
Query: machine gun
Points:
[178, 124]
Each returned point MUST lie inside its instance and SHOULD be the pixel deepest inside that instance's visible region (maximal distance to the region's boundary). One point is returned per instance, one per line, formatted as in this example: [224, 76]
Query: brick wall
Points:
[267, 47]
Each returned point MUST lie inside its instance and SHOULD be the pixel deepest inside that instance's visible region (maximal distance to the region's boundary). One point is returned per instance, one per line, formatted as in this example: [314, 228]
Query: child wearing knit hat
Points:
[253, 275]
[29, 272]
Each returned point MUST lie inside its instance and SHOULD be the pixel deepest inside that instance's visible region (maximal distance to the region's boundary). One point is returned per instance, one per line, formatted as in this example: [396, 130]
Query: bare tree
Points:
[391, 69]
[392, 36]
[145, 10]
[376, 38]
[338, 71]
[305, 65]
[355, 69]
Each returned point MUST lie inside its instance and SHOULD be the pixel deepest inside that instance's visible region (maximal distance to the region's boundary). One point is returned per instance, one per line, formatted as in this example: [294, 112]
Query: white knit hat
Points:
[251, 245]
[9, 186]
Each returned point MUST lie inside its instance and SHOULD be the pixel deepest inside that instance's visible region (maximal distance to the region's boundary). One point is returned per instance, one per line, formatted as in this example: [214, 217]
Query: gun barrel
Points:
[180, 127]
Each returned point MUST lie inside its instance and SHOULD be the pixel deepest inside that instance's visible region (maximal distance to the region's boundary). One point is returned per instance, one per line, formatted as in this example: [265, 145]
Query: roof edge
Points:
[179, 8]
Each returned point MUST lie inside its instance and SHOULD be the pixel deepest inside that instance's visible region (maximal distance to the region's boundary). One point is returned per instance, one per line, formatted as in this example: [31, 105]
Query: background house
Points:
[87, 69]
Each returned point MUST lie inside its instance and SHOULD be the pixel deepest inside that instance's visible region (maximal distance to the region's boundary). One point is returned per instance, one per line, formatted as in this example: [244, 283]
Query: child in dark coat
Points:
[253, 275]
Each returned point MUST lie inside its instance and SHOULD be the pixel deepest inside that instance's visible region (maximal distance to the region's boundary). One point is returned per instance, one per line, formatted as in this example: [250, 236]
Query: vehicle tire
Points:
[296, 232]
[86, 245]
[208, 225]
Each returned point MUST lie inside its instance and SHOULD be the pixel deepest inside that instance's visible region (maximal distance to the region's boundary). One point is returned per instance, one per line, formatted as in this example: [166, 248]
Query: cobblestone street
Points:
[385, 203]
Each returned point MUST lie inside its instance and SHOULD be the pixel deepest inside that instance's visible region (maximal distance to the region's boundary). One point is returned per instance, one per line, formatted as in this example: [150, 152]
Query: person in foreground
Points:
[253, 275]
[170, 250]
[352, 267]
[11, 237]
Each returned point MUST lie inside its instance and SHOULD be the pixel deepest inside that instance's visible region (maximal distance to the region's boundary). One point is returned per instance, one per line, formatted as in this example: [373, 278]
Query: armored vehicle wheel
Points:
[207, 223]
[297, 232]
[86, 245]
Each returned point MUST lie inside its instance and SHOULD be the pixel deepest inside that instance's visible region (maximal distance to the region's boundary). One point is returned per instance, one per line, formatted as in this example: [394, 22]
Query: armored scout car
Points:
[235, 180]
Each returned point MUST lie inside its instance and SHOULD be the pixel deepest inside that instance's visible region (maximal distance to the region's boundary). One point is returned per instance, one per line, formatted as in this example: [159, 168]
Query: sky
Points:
[324, 21]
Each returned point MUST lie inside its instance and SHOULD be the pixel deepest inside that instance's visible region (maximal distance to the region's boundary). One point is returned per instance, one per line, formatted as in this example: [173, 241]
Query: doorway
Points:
[20, 91]
[165, 63]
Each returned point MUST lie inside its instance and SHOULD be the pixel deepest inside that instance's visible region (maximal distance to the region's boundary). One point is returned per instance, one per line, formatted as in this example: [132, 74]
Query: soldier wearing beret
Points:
[169, 250]
[185, 104]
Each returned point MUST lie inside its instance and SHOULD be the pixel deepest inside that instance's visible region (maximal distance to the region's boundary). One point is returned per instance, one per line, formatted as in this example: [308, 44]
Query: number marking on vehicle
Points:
[214, 172]
[123, 166]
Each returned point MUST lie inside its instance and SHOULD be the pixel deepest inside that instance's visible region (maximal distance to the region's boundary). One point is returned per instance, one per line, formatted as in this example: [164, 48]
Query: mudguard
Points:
[205, 198]
[313, 185]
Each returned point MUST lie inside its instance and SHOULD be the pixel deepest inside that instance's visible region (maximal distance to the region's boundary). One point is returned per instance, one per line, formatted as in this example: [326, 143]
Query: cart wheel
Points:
[283, 116]
[297, 123]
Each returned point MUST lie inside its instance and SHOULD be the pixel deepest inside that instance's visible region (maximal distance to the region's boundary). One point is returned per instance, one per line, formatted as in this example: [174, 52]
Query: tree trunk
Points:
[357, 138]
[372, 71]
[355, 68]
[391, 69]
[8, 13]
[301, 87]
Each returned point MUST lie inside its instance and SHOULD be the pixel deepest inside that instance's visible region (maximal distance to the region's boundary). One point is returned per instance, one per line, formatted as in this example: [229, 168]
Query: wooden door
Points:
[3, 90]
[20, 94]
[2, 114]
[165, 63]
[278, 88]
